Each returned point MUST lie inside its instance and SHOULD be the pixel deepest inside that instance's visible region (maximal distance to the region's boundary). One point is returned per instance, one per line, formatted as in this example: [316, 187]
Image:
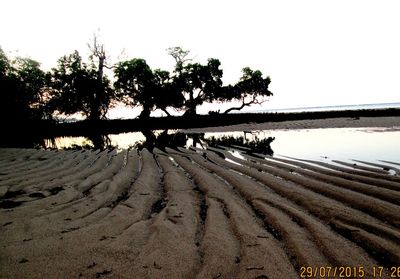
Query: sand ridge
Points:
[191, 213]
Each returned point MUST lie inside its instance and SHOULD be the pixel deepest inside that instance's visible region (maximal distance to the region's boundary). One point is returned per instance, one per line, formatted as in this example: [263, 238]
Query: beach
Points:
[199, 213]
[390, 122]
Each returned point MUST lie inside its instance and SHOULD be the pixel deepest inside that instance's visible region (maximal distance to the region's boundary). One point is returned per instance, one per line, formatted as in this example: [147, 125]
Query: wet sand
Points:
[194, 213]
[390, 122]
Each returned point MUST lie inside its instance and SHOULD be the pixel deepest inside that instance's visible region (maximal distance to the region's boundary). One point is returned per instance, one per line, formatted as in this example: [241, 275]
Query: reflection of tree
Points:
[257, 145]
[197, 139]
[93, 141]
[164, 139]
[100, 141]
[22, 141]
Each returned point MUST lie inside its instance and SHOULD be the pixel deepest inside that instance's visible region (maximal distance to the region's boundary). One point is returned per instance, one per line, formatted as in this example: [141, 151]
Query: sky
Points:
[317, 52]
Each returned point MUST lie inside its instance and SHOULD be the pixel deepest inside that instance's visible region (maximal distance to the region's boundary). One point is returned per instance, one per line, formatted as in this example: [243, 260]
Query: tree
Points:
[137, 84]
[251, 89]
[196, 83]
[101, 93]
[165, 93]
[22, 84]
[202, 83]
[78, 87]
[180, 57]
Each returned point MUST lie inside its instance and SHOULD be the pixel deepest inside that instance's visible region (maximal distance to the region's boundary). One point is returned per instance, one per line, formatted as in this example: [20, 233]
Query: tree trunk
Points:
[192, 105]
[166, 111]
[145, 114]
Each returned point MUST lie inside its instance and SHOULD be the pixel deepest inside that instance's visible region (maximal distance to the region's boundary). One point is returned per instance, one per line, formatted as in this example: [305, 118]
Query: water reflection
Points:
[255, 145]
[93, 141]
[161, 139]
[22, 141]
[316, 144]
[100, 141]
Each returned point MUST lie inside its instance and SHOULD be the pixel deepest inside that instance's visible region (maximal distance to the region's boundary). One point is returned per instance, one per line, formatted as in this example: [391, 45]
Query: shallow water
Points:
[369, 144]
[336, 143]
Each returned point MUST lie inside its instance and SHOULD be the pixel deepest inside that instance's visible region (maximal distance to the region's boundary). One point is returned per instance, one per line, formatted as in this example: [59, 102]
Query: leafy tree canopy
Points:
[22, 84]
[137, 84]
[75, 87]
[199, 83]
[196, 83]
[252, 88]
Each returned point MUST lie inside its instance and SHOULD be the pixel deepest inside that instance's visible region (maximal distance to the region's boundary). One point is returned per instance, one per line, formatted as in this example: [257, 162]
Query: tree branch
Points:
[166, 111]
[254, 100]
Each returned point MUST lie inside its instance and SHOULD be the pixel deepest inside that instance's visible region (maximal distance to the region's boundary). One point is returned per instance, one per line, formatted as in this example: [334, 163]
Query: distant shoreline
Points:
[373, 106]
[373, 124]
[45, 129]
[203, 121]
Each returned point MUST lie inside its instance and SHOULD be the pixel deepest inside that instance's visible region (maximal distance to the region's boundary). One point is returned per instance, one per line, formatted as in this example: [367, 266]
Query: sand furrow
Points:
[382, 166]
[14, 157]
[35, 163]
[334, 179]
[117, 190]
[82, 176]
[103, 193]
[391, 162]
[361, 167]
[320, 206]
[259, 256]
[42, 177]
[171, 250]
[74, 203]
[300, 242]
[359, 201]
[364, 174]
[386, 251]
[381, 183]
[190, 214]
[133, 210]
[348, 178]
[37, 171]
[112, 167]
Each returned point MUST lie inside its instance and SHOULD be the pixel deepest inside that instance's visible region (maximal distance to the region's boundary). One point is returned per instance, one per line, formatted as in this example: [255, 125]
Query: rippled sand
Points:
[191, 214]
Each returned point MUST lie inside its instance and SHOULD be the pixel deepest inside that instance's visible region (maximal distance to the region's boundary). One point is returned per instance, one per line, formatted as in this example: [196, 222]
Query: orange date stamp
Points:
[349, 272]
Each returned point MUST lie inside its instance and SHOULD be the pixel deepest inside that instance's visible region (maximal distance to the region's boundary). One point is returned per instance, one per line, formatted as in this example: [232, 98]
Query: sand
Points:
[390, 122]
[194, 213]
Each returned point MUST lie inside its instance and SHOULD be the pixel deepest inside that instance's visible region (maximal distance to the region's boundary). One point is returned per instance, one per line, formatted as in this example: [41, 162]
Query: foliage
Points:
[75, 87]
[180, 57]
[251, 89]
[137, 84]
[196, 83]
[199, 83]
[161, 140]
[22, 84]
[256, 145]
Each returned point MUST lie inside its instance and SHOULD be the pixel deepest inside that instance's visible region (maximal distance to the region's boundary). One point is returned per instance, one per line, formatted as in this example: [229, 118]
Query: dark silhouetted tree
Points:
[76, 87]
[251, 89]
[180, 56]
[101, 93]
[137, 84]
[197, 83]
[22, 84]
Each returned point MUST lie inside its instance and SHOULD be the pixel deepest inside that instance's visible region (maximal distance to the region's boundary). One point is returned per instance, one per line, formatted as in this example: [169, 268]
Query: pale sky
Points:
[317, 53]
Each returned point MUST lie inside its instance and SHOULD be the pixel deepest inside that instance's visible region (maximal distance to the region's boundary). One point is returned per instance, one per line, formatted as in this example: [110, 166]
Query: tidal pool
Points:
[369, 144]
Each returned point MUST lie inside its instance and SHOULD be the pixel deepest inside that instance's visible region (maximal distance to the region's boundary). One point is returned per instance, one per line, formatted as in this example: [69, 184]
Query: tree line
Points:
[78, 86]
